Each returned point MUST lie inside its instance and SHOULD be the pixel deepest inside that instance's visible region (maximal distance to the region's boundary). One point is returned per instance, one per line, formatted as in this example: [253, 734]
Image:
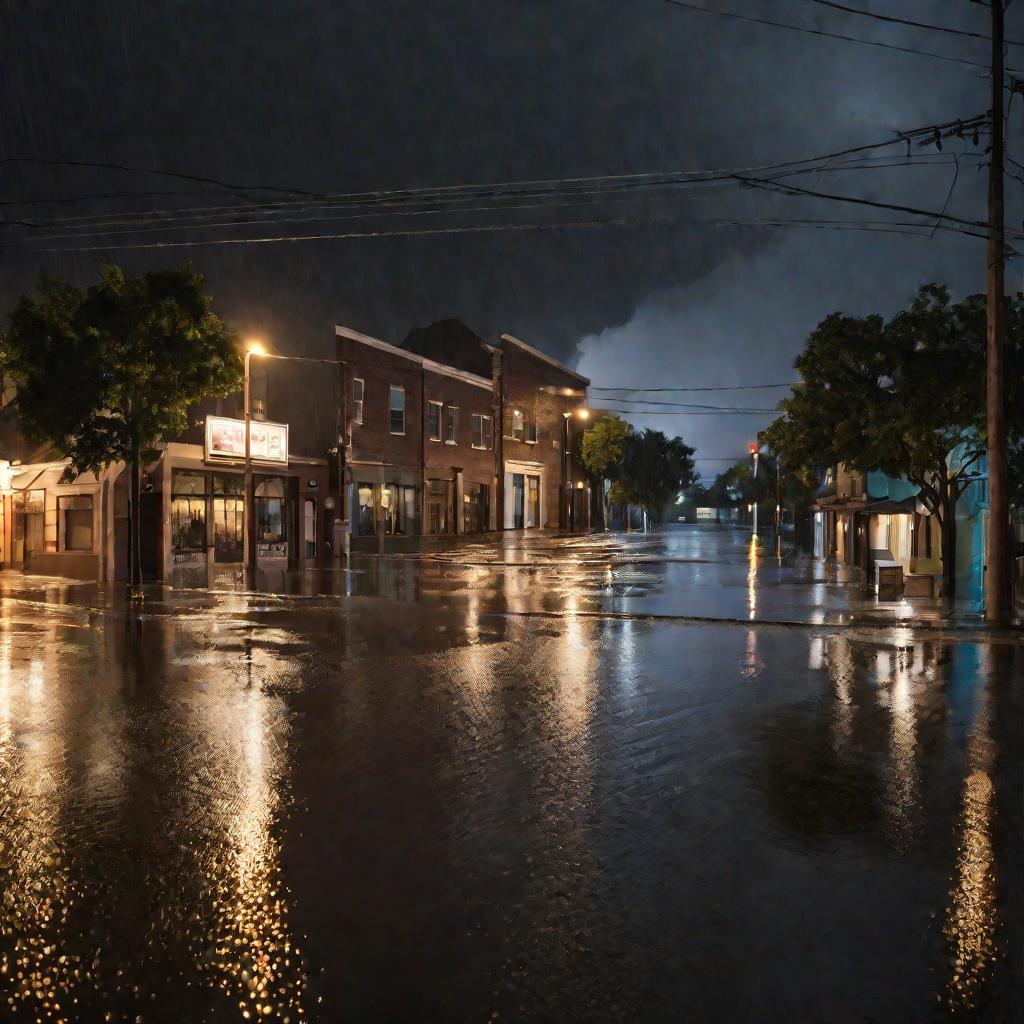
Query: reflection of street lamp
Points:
[252, 348]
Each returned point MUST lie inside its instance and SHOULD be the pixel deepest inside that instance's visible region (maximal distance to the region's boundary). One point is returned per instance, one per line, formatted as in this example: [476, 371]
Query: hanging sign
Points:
[225, 441]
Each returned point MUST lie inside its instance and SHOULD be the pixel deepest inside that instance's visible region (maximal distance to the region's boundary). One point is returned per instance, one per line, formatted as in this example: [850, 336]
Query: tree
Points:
[602, 450]
[901, 397]
[106, 374]
[655, 469]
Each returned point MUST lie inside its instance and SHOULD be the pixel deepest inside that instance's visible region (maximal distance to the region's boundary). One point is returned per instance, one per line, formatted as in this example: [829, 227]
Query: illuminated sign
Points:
[225, 440]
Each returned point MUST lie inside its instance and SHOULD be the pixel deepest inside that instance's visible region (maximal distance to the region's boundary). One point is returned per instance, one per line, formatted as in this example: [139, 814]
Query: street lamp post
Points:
[755, 453]
[254, 348]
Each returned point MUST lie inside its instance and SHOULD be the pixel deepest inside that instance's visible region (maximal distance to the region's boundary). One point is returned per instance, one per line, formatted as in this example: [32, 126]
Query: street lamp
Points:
[252, 348]
[754, 452]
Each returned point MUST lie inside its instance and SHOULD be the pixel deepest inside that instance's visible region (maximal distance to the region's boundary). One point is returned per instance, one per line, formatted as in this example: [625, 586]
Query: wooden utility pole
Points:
[997, 578]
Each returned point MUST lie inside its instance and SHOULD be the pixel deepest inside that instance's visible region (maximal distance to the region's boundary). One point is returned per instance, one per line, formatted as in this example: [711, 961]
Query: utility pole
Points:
[997, 580]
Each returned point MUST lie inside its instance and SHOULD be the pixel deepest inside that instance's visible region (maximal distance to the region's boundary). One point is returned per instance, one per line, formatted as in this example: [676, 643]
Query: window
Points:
[532, 434]
[270, 511]
[451, 423]
[309, 527]
[396, 408]
[398, 507]
[188, 511]
[482, 433]
[74, 514]
[227, 512]
[29, 517]
[476, 499]
[438, 501]
[365, 524]
[434, 421]
[358, 387]
[517, 424]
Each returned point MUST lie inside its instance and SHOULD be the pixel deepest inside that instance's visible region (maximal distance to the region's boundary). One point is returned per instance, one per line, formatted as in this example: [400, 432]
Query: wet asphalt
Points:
[518, 781]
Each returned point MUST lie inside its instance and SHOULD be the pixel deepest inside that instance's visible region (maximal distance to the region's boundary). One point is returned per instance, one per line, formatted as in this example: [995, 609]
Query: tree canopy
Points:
[105, 374]
[113, 370]
[900, 396]
[645, 468]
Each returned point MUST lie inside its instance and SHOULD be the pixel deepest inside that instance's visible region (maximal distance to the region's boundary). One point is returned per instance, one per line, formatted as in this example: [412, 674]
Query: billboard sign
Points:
[225, 441]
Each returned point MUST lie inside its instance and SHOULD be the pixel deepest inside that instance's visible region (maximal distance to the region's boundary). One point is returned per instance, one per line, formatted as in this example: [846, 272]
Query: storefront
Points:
[194, 515]
[525, 505]
[50, 527]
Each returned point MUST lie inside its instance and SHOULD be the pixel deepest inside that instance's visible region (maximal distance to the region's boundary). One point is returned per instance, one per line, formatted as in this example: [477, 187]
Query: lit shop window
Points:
[309, 527]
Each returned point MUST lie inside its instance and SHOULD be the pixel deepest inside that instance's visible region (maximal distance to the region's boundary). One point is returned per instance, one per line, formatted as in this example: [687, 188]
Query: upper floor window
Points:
[517, 424]
[396, 408]
[482, 432]
[451, 423]
[358, 387]
[531, 433]
[434, 421]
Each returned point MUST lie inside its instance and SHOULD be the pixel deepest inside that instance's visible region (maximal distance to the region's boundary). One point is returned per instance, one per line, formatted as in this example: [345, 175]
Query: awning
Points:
[888, 507]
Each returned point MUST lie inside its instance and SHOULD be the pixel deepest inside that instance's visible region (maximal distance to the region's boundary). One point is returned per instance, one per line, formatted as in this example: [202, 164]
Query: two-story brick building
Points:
[476, 442]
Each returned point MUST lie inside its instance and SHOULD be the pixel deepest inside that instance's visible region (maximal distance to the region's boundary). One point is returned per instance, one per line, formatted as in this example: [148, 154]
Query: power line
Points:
[717, 387]
[593, 197]
[907, 21]
[518, 189]
[896, 227]
[685, 405]
[151, 170]
[829, 35]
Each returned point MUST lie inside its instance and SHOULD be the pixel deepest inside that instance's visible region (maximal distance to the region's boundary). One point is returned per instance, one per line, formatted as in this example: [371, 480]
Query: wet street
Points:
[657, 778]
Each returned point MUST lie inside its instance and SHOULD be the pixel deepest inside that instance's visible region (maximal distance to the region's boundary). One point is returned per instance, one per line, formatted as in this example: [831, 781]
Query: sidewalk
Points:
[686, 574]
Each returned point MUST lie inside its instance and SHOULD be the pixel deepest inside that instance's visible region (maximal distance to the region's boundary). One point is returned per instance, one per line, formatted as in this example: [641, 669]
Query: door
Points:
[533, 501]
[518, 501]
[228, 524]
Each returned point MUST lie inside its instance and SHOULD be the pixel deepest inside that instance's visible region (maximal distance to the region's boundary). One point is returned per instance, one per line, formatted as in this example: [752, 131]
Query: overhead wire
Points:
[892, 19]
[832, 35]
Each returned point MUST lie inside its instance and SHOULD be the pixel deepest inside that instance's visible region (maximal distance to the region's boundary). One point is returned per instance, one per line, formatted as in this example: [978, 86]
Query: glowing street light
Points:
[253, 347]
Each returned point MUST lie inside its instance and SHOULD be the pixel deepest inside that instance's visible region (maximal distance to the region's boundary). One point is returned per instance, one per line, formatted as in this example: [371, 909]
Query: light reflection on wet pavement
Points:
[414, 805]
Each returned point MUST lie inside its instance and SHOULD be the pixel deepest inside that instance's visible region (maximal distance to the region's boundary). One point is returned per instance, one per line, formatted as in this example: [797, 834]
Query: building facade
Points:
[437, 449]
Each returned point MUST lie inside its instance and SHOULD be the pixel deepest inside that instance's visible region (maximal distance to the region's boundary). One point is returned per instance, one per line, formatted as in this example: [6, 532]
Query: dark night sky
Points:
[352, 96]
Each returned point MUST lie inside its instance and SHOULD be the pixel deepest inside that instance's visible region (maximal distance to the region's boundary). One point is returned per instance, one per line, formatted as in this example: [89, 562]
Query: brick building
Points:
[441, 447]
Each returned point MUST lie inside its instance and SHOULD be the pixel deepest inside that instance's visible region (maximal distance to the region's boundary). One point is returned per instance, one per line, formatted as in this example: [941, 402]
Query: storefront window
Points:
[74, 513]
[364, 524]
[188, 510]
[309, 527]
[28, 521]
[270, 510]
[398, 504]
[476, 502]
[437, 505]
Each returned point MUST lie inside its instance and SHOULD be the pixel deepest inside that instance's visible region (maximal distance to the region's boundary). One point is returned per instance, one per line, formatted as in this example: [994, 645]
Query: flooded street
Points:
[463, 790]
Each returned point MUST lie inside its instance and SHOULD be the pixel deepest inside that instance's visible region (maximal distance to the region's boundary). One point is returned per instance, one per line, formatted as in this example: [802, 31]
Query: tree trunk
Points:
[135, 528]
[948, 527]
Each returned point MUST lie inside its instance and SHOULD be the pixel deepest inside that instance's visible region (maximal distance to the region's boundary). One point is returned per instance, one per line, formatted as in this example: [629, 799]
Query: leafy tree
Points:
[900, 397]
[107, 373]
[602, 450]
[655, 469]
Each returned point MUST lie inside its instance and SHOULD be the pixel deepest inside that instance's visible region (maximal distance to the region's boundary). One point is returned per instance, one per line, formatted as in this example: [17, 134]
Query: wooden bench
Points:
[919, 584]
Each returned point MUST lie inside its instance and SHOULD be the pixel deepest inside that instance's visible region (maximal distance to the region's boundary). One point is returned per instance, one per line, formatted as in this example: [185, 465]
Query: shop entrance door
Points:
[533, 501]
[518, 500]
[228, 526]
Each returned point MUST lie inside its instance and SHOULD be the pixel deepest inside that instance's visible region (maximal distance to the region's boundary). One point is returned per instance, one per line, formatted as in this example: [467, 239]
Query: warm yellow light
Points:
[255, 347]
[584, 413]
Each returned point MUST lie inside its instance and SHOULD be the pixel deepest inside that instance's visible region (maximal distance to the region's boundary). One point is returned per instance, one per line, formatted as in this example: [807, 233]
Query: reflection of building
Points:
[449, 435]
